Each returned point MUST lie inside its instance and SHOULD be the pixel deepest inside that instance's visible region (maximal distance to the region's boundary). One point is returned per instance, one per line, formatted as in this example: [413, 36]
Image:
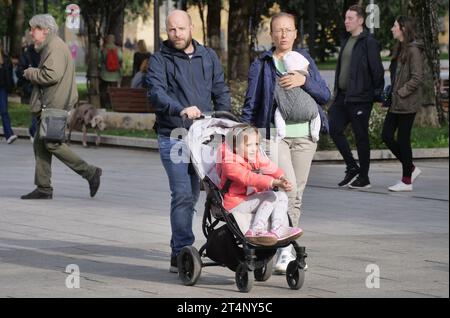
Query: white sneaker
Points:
[284, 258]
[415, 174]
[401, 187]
[11, 139]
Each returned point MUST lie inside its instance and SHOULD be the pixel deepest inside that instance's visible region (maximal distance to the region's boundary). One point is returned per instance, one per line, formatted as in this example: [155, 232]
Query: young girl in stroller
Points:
[248, 181]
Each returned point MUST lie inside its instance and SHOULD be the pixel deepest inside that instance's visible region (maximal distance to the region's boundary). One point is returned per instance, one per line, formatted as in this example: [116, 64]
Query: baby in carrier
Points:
[293, 105]
[248, 180]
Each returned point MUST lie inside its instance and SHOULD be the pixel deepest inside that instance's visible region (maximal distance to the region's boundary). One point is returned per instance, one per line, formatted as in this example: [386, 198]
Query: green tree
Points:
[103, 18]
[239, 39]
[15, 14]
[16, 27]
[426, 13]
[213, 25]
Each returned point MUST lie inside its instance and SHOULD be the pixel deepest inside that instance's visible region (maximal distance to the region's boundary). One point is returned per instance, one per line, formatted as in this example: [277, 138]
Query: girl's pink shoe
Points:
[286, 234]
[261, 238]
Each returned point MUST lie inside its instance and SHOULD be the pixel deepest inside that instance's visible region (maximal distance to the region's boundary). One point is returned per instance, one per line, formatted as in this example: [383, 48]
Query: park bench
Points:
[130, 100]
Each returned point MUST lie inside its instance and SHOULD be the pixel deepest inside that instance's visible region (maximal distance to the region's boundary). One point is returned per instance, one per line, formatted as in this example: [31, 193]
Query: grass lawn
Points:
[421, 137]
[130, 133]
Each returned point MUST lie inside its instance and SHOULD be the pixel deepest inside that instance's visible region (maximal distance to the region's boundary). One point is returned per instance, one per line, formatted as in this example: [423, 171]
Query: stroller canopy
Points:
[204, 140]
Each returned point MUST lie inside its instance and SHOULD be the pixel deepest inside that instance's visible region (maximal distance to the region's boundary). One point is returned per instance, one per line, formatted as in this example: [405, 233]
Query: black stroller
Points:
[226, 245]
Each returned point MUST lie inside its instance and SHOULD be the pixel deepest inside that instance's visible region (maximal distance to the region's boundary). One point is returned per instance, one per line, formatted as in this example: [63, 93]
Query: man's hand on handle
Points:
[191, 112]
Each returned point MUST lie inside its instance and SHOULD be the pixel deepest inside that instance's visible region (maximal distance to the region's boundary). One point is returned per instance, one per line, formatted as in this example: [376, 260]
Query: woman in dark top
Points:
[6, 85]
[29, 58]
[140, 56]
[406, 78]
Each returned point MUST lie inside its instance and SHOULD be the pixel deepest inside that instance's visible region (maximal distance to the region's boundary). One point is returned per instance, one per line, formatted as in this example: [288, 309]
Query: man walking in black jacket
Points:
[359, 82]
[184, 80]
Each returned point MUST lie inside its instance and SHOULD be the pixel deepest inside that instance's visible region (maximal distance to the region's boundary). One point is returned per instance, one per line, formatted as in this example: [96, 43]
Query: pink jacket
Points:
[239, 171]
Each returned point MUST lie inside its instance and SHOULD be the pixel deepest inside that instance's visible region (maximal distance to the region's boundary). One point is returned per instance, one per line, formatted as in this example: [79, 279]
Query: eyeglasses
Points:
[285, 31]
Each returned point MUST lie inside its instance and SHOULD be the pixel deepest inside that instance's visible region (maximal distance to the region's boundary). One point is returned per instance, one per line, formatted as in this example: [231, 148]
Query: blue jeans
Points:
[6, 121]
[185, 189]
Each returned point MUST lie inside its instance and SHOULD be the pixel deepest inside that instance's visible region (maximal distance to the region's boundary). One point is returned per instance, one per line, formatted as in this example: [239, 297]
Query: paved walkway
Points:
[119, 239]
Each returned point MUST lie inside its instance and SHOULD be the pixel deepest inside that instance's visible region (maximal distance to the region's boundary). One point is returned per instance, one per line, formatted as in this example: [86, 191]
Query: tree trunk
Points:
[238, 39]
[425, 12]
[115, 24]
[201, 11]
[312, 29]
[16, 27]
[213, 24]
[92, 74]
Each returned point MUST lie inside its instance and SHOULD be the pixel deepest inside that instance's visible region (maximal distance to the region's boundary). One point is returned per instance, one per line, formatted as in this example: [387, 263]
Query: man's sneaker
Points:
[37, 195]
[401, 187]
[173, 265]
[350, 175]
[360, 183]
[416, 172]
[284, 258]
[11, 139]
[94, 182]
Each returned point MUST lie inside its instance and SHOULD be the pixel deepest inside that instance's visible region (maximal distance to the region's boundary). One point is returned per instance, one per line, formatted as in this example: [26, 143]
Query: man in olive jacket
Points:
[54, 86]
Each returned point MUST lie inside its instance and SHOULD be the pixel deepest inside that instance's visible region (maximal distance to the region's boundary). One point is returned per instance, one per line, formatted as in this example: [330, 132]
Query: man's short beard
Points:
[188, 43]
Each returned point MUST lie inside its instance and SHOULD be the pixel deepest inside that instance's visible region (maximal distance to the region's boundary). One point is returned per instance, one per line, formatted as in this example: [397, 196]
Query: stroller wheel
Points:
[262, 274]
[244, 281]
[189, 265]
[295, 276]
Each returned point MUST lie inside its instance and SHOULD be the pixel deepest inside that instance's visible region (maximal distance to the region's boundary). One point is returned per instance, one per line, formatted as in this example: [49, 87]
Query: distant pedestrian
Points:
[55, 87]
[359, 83]
[139, 56]
[29, 58]
[406, 77]
[110, 59]
[139, 79]
[6, 86]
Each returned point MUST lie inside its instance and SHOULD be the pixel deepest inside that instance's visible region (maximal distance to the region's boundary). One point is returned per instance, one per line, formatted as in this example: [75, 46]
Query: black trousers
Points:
[400, 147]
[342, 114]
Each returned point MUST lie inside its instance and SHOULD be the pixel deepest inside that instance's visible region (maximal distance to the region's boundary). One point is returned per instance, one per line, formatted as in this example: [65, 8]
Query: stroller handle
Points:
[221, 114]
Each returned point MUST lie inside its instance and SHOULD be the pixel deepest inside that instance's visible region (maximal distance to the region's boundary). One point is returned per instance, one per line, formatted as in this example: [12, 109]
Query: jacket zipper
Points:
[193, 83]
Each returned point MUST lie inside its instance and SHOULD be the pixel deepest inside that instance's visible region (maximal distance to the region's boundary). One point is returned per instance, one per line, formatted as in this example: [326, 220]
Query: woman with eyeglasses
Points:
[273, 86]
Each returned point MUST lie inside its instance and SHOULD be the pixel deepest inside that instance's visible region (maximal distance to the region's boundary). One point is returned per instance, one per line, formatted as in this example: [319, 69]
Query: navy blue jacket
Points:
[6, 74]
[259, 101]
[29, 58]
[176, 82]
[366, 78]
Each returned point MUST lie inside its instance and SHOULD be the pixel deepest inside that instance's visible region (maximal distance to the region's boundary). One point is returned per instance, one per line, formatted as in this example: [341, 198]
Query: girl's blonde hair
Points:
[239, 134]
